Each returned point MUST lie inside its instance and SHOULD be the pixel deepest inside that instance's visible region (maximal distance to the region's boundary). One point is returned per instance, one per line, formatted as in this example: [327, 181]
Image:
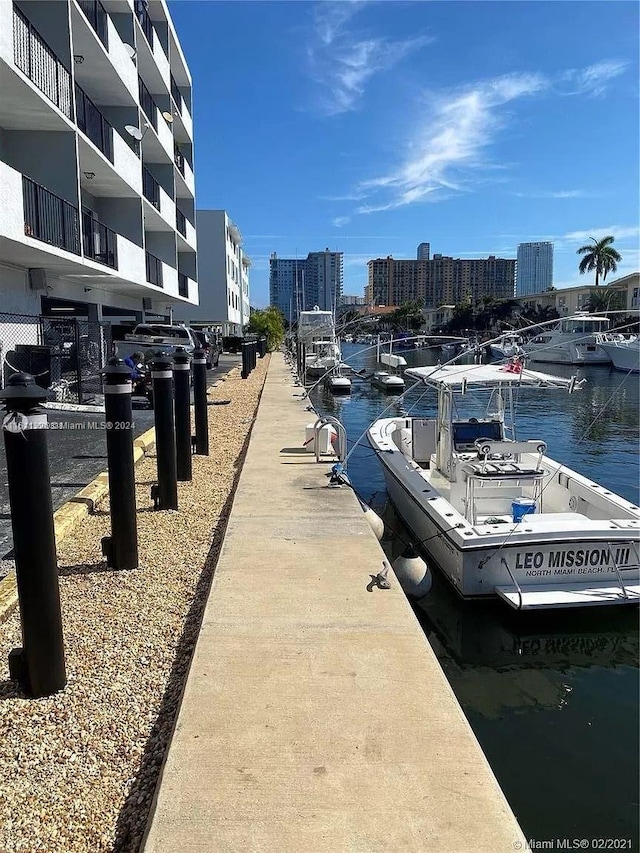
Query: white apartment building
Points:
[534, 268]
[223, 275]
[621, 294]
[96, 160]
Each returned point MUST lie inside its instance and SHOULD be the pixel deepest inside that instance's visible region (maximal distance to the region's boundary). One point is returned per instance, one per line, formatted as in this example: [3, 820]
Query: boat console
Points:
[466, 433]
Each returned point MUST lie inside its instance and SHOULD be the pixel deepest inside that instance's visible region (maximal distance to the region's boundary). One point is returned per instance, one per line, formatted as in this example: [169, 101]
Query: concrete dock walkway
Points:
[316, 716]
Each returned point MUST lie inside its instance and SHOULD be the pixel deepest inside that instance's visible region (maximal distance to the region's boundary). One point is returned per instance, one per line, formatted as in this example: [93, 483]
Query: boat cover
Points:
[540, 596]
[512, 373]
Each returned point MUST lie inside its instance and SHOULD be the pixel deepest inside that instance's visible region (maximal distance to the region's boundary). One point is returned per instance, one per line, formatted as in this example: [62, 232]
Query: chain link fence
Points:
[63, 354]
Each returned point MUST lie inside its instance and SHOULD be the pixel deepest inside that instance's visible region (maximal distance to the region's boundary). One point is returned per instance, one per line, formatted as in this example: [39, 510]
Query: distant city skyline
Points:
[383, 125]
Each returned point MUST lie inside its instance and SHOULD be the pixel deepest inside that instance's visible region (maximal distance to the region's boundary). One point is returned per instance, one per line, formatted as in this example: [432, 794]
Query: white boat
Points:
[573, 340]
[507, 345]
[624, 352]
[388, 382]
[322, 356]
[497, 515]
[315, 325]
[390, 359]
[338, 384]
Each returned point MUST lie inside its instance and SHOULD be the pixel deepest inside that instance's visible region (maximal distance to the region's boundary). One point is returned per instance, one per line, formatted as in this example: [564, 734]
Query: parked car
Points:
[156, 336]
[232, 343]
[209, 343]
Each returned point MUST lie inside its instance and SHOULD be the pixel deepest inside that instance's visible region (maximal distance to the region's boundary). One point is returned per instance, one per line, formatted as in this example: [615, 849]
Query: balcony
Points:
[99, 242]
[175, 94]
[154, 269]
[160, 214]
[185, 181]
[97, 17]
[186, 233]
[49, 218]
[93, 124]
[181, 222]
[183, 285]
[147, 25]
[150, 188]
[33, 56]
[148, 105]
[178, 159]
[152, 56]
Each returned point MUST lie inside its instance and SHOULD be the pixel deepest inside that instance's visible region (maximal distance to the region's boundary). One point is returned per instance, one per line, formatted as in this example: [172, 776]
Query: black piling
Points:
[165, 494]
[121, 548]
[39, 665]
[200, 402]
[182, 383]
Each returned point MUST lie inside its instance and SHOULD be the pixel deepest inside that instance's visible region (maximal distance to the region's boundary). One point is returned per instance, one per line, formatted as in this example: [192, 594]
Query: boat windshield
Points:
[465, 433]
[584, 325]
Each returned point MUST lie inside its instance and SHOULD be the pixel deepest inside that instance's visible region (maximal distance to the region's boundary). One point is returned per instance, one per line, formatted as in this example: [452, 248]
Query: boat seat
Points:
[493, 455]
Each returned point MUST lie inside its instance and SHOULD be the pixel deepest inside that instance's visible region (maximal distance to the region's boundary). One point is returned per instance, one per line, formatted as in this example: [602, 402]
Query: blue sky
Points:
[368, 127]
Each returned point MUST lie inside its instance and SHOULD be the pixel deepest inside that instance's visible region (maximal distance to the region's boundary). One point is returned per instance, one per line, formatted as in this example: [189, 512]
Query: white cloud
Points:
[616, 231]
[460, 125]
[452, 139]
[339, 221]
[342, 62]
[593, 79]
[555, 194]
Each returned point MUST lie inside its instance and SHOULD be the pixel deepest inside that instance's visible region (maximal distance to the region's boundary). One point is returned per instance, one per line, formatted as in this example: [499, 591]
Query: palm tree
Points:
[601, 257]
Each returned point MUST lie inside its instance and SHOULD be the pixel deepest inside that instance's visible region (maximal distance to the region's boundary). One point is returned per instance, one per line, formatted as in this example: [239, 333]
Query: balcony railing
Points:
[97, 17]
[183, 285]
[145, 21]
[34, 57]
[154, 269]
[178, 157]
[148, 104]
[99, 242]
[181, 222]
[49, 218]
[175, 94]
[93, 124]
[150, 188]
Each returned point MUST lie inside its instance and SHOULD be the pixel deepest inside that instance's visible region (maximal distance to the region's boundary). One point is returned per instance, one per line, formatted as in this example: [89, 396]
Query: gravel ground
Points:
[78, 770]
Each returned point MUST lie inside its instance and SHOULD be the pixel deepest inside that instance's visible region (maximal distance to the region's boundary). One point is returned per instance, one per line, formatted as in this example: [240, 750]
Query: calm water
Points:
[553, 698]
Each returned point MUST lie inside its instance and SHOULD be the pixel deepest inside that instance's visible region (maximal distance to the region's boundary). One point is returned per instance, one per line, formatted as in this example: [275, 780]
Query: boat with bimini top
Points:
[496, 514]
[573, 340]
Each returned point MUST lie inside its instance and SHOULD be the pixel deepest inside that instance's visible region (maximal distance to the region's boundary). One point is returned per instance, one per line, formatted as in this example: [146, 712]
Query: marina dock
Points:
[316, 716]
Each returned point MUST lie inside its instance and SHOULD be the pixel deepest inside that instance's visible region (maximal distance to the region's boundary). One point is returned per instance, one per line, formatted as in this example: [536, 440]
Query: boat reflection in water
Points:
[528, 683]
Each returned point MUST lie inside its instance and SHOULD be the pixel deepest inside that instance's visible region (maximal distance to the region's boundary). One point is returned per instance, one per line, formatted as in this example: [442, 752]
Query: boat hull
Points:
[477, 572]
[568, 353]
[625, 358]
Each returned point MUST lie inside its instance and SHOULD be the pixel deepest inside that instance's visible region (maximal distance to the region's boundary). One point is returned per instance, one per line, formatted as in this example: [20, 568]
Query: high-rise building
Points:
[534, 272]
[424, 251]
[96, 160]
[438, 281]
[223, 275]
[299, 284]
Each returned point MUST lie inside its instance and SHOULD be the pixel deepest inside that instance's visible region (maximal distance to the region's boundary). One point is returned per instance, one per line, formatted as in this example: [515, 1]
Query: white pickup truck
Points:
[148, 338]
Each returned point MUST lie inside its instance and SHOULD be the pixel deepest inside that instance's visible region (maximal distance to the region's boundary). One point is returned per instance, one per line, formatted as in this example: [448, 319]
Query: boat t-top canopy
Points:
[489, 376]
[315, 324]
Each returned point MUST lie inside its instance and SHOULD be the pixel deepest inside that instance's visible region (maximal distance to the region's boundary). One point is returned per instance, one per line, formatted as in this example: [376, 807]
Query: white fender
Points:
[414, 575]
[374, 521]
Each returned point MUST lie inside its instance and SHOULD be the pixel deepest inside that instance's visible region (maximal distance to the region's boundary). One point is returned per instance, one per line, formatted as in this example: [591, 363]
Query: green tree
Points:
[605, 300]
[599, 255]
[407, 316]
[267, 322]
[538, 314]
